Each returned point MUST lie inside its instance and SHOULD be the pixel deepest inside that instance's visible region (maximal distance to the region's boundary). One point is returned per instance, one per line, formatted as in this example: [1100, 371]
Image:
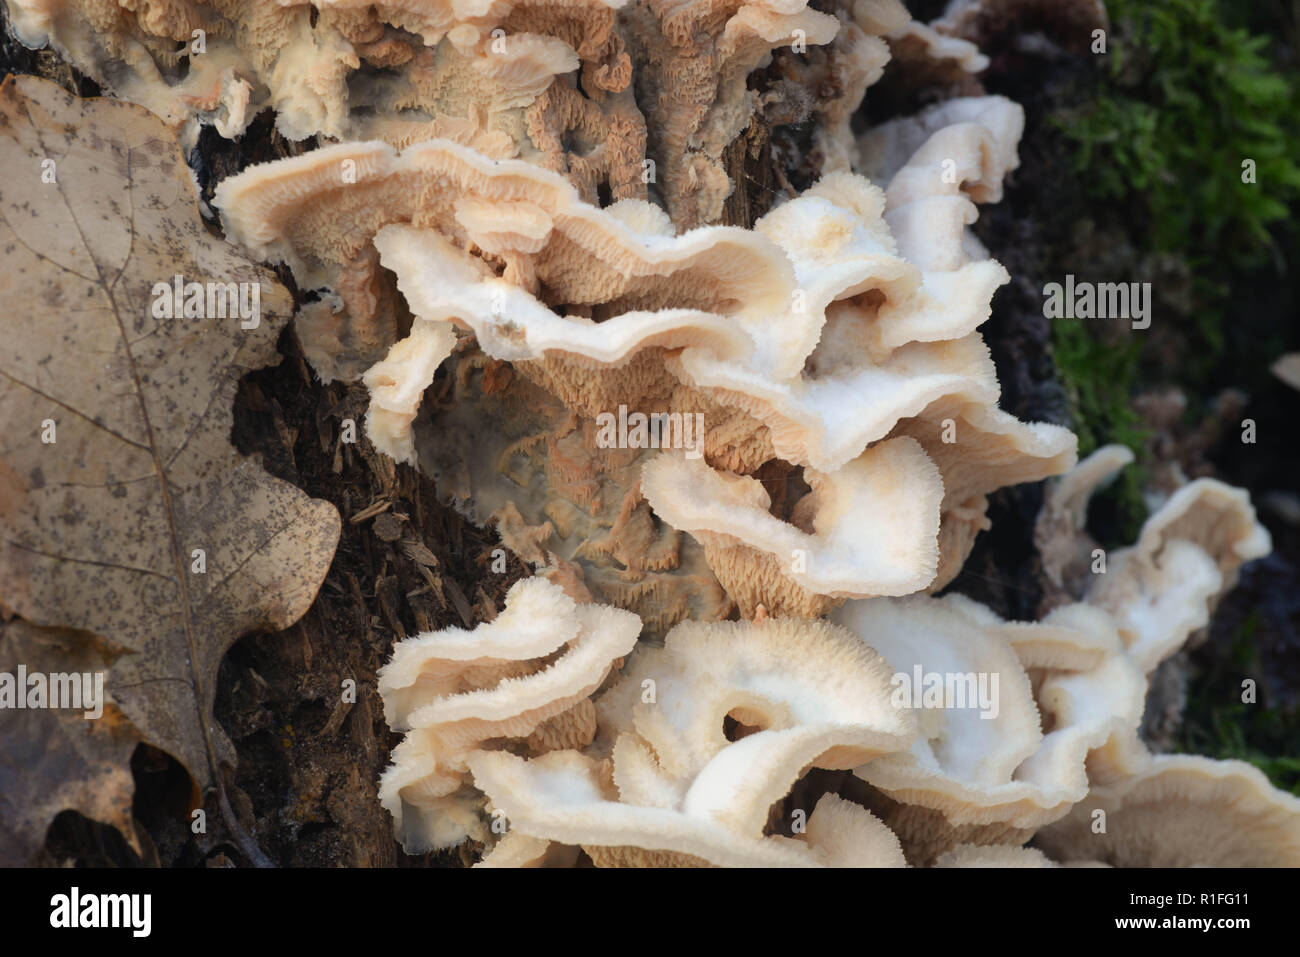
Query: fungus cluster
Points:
[813, 347]
[681, 415]
[713, 748]
[522, 680]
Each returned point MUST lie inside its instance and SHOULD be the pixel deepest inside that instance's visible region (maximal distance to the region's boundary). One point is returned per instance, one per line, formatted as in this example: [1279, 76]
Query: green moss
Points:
[1219, 724]
[1182, 100]
[1099, 379]
[1185, 101]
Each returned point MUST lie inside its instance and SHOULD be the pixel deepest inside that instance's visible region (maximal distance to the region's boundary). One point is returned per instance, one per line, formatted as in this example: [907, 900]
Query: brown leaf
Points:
[99, 529]
[79, 764]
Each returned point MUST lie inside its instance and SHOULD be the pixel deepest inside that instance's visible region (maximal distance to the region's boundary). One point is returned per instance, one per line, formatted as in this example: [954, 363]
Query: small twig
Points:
[256, 856]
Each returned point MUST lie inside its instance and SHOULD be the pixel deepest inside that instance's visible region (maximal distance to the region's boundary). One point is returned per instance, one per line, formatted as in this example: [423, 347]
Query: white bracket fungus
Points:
[453, 691]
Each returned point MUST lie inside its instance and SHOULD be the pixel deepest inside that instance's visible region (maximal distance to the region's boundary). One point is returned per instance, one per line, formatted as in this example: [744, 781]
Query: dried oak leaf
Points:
[84, 765]
[99, 529]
